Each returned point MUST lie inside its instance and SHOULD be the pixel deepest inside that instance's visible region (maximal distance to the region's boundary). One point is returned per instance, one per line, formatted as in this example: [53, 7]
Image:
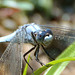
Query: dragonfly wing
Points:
[63, 37]
[11, 60]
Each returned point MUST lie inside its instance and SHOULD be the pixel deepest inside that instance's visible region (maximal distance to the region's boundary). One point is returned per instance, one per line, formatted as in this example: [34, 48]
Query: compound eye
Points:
[47, 34]
[49, 31]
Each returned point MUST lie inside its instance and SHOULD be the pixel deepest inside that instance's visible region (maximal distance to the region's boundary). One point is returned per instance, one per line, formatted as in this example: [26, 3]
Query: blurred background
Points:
[14, 13]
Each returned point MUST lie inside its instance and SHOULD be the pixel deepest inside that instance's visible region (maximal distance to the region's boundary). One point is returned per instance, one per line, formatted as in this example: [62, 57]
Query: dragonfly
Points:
[50, 38]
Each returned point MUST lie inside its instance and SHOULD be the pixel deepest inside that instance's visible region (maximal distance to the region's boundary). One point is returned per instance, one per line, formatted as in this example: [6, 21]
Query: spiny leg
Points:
[36, 55]
[28, 53]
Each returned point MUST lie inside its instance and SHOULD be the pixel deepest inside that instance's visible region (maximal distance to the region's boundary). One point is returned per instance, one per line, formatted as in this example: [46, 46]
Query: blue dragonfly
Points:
[52, 39]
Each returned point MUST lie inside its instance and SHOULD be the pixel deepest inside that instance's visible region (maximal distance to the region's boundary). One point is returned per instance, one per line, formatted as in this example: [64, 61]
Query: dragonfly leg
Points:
[47, 52]
[37, 50]
[28, 53]
[34, 38]
[36, 55]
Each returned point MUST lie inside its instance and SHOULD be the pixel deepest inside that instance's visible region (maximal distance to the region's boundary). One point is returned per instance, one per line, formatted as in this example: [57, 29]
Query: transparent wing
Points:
[63, 37]
[11, 60]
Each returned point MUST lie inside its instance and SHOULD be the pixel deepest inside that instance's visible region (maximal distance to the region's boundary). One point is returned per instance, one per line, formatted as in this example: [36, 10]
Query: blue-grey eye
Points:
[49, 31]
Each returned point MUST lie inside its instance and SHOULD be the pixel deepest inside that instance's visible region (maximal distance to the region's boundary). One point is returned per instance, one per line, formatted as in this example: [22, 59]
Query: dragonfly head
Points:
[44, 37]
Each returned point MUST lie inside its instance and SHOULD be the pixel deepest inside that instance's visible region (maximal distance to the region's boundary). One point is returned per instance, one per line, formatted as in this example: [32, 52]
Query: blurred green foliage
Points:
[29, 5]
[22, 5]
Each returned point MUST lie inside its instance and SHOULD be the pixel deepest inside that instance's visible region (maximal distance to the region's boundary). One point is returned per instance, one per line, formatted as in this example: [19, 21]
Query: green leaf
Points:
[58, 68]
[26, 67]
[40, 70]
[59, 64]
